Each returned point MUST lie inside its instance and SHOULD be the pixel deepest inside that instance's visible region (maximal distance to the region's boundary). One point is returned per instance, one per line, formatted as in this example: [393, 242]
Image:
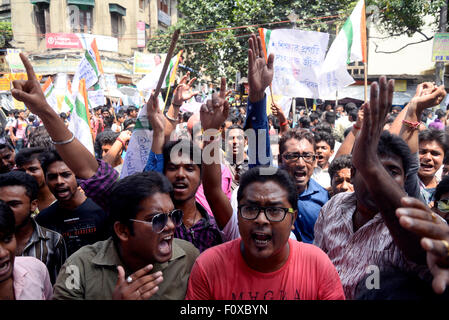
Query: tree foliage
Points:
[223, 52]
[5, 33]
[405, 17]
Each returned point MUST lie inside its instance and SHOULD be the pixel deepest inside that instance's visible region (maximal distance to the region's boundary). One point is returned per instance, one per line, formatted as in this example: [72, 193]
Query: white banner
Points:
[298, 58]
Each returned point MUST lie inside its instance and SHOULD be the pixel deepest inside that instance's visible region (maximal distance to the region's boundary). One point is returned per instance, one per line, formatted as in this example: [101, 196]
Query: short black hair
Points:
[40, 138]
[120, 114]
[280, 176]
[324, 126]
[7, 220]
[344, 161]
[7, 146]
[305, 122]
[48, 158]
[105, 137]
[440, 114]
[297, 134]
[330, 117]
[353, 115]
[390, 144]
[128, 122]
[326, 137]
[128, 193]
[442, 188]
[26, 155]
[186, 115]
[20, 178]
[194, 151]
[350, 106]
[438, 136]
[314, 116]
[130, 109]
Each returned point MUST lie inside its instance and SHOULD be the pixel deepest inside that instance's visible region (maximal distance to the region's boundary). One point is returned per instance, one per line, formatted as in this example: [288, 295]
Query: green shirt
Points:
[91, 272]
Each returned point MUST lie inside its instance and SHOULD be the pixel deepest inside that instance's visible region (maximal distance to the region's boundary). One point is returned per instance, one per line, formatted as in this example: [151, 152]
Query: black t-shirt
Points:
[84, 225]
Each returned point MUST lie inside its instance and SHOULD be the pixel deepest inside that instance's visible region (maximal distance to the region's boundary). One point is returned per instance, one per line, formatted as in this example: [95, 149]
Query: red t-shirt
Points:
[220, 273]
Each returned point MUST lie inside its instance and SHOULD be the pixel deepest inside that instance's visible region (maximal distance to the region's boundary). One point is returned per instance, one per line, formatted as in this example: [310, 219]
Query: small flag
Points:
[79, 118]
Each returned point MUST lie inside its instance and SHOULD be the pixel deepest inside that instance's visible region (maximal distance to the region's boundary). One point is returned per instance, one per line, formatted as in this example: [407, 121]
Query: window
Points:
[81, 19]
[116, 24]
[42, 20]
[142, 4]
[163, 6]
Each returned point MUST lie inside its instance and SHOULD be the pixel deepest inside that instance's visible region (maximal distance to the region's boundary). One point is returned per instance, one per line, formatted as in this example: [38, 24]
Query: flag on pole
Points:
[49, 92]
[90, 68]
[349, 46]
[79, 118]
[149, 82]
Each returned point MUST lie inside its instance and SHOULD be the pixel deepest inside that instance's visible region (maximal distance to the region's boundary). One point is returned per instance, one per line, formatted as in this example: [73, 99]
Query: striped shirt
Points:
[354, 253]
[49, 247]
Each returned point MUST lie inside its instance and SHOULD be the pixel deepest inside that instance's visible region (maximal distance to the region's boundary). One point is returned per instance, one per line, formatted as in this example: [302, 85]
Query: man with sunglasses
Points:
[264, 264]
[297, 151]
[142, 260]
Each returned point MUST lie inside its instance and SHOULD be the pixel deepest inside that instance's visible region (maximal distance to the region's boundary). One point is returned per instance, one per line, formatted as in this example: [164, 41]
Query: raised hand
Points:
[418, 218]
[183, 91]
[375, 111]
[428, 96]
[214, 113]
[155, 115]
[277, 112]
[29, 91]
[142, 286]
[260, 71]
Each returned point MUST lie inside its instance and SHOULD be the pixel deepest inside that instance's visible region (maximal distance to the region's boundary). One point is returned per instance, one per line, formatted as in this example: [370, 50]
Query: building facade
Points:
[54, 33]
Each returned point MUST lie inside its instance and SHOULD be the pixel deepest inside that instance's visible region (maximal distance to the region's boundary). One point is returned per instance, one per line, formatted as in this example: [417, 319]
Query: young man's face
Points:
[299, 169]
[393, 165]
[133, 114]
[34, 168]
[146, 245]
[185, 176]
[105, 149]
[339, 110]
[61, 181]
[263, 239]
[431, 156]
[323, 153]
[7, 162]
[8, 246]
[22, 206]
[236, 143]
[105, 114]
[341, 182]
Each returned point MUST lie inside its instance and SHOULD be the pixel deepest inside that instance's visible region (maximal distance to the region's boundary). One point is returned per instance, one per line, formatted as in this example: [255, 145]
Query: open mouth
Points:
[426, 166]
[261, 239]
[180, 187]
[62, 193]
[4, 267]
[165, 244]
[300, 174]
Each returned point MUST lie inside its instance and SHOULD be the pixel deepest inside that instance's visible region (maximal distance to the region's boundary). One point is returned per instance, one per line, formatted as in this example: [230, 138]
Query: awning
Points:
[81, 2]
[40, 1]
[116, 8]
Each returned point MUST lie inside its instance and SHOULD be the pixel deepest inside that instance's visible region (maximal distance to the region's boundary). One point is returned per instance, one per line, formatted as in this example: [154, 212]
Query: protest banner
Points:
[440, 50]
[146, 63]
[90, 68]
[298, 58]
[14, 61]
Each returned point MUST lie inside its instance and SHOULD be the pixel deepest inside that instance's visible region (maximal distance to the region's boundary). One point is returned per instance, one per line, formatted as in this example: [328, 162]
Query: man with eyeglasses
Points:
[142, 260]
[297, 150]
[264, 264]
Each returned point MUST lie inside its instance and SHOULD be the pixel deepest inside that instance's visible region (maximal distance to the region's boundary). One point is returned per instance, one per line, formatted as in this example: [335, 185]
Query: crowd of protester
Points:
[331, 203]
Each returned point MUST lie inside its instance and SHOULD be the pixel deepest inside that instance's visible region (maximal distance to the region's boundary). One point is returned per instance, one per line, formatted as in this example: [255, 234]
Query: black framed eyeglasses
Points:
[273, 214]
[294, 156]
[159, 221]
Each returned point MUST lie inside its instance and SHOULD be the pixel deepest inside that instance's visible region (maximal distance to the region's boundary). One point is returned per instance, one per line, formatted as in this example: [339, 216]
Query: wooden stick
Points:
[366, 81]
[167, 61]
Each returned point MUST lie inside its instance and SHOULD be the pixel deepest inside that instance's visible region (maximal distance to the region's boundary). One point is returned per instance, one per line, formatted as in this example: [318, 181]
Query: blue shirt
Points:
[309, 206]
[257, 119]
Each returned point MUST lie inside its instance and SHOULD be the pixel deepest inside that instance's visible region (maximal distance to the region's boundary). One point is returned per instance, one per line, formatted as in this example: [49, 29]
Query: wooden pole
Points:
[167, 61]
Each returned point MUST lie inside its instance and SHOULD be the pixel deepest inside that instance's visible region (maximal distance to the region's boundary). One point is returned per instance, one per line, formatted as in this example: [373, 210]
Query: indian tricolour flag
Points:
[90, 68]
[68, 104]
[79, 118]
[49, 92]
[349, 46]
